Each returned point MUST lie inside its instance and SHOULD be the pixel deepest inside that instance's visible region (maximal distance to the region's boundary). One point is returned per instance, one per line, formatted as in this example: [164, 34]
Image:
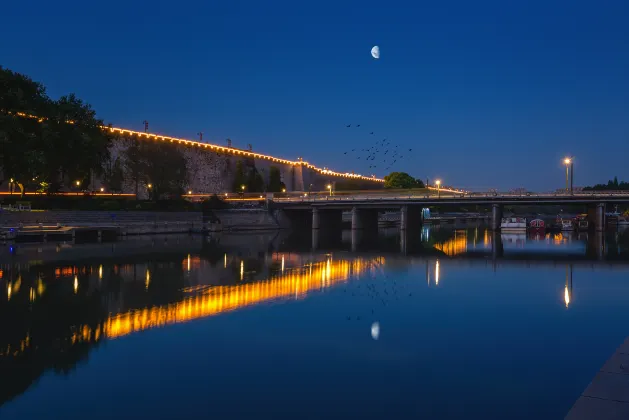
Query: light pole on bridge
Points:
[438, 183]
[569, 162]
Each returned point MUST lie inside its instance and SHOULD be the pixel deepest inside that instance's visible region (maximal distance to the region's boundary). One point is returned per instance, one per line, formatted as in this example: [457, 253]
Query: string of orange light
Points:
[224, 149]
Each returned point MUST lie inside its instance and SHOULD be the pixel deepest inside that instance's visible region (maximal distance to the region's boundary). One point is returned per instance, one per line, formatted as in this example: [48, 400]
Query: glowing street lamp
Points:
[189, 192]
[102, 189]
[283, 190]
[78, 183]
[329, 187]
[149, 186]
[569, 162]
[438, 183]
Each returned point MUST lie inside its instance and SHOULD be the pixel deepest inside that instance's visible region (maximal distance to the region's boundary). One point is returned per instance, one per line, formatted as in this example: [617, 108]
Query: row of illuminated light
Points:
[292, 283]
[223, 149]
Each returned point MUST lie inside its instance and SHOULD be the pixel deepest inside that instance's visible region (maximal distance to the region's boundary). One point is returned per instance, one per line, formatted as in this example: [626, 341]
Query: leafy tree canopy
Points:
[159, 166]
[61, 139]
[401, 180]
[612, 185]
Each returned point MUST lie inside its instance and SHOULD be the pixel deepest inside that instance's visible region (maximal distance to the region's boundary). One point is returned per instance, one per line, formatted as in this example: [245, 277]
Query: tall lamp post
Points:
[329, 187]
[438, 183]
[569, 162]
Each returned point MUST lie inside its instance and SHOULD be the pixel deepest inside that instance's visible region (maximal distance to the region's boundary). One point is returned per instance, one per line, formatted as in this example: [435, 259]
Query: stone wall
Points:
[212, 172]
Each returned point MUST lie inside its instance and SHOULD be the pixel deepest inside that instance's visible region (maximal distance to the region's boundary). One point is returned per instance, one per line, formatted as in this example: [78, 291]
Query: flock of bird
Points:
[380, 154]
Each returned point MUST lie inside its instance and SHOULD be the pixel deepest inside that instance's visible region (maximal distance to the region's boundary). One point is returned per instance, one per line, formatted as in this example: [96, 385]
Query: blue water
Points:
[490, 339]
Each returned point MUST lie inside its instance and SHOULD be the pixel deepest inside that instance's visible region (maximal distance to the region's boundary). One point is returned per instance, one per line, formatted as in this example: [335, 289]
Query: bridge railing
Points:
[306, 198]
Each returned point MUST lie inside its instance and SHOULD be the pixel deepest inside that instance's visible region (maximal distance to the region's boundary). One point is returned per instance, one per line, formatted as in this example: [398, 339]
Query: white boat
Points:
[513, 224]
[566, 224]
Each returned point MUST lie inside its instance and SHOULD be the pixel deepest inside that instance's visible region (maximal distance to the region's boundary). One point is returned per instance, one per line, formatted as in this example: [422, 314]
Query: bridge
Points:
[325, 211]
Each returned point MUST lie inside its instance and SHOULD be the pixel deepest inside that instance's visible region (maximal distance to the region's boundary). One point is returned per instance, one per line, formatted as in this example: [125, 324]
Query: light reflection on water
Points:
[453, 301]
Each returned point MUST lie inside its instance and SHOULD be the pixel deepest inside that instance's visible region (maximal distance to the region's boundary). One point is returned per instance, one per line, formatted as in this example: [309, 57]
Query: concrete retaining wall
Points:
[146, 222]
[88, 218]
[253, 219]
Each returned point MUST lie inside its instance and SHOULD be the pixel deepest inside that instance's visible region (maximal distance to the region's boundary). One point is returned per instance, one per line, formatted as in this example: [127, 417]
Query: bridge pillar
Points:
[496, 216]
[327, 219]
[497, 248]
[357, 236]
[410, 218]
[365, 219]
[403, 244]
[357, 222]
[315, 239]
[600, 217]
[315, 218]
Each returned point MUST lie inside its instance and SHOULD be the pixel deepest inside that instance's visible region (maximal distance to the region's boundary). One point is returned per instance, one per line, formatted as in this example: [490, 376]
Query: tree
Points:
[21, 138]
[46, 141]
[255, 182]
[401, 180]
[275, 180]
[113, 176]
[612, 184]
[240, 177]
[78, 149]
[161, 165]
[133, 163]
[247, 175]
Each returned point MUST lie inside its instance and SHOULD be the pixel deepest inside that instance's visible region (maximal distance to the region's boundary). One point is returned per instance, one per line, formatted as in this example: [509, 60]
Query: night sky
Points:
[487, 93]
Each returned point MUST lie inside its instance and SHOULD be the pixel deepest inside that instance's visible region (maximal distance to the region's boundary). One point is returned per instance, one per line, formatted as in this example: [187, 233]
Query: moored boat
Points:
[513, 224]
[581, 222]
[537, 224]
[567, 225]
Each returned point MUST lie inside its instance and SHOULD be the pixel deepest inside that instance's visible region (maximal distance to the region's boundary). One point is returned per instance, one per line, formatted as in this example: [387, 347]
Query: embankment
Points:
[146, 222]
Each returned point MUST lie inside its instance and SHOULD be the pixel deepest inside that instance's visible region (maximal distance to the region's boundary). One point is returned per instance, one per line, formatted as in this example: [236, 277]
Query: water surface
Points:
[445, 324]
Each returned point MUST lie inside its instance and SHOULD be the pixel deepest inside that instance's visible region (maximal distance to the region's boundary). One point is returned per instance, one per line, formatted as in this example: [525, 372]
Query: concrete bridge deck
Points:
[326, 210]
[393, 200]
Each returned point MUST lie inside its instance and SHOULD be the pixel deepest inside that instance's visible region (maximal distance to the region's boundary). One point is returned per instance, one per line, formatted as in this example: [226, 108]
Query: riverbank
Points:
[67, 224]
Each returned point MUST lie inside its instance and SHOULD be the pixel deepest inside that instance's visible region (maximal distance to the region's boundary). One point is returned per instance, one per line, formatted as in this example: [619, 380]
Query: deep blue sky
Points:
[487, 93]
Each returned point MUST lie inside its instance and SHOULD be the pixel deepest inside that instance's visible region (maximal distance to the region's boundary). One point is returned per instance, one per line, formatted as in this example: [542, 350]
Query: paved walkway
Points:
[607, 396]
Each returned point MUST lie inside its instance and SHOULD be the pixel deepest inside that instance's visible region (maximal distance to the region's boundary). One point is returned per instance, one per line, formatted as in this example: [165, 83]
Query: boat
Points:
[567, 224]
[537, 224]
[581, 222]
[513, 224]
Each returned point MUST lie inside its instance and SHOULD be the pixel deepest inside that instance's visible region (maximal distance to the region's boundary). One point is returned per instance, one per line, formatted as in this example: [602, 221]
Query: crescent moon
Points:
[375, 52]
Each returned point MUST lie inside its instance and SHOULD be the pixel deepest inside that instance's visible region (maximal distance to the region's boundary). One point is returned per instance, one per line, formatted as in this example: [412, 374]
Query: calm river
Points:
[451, 324]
